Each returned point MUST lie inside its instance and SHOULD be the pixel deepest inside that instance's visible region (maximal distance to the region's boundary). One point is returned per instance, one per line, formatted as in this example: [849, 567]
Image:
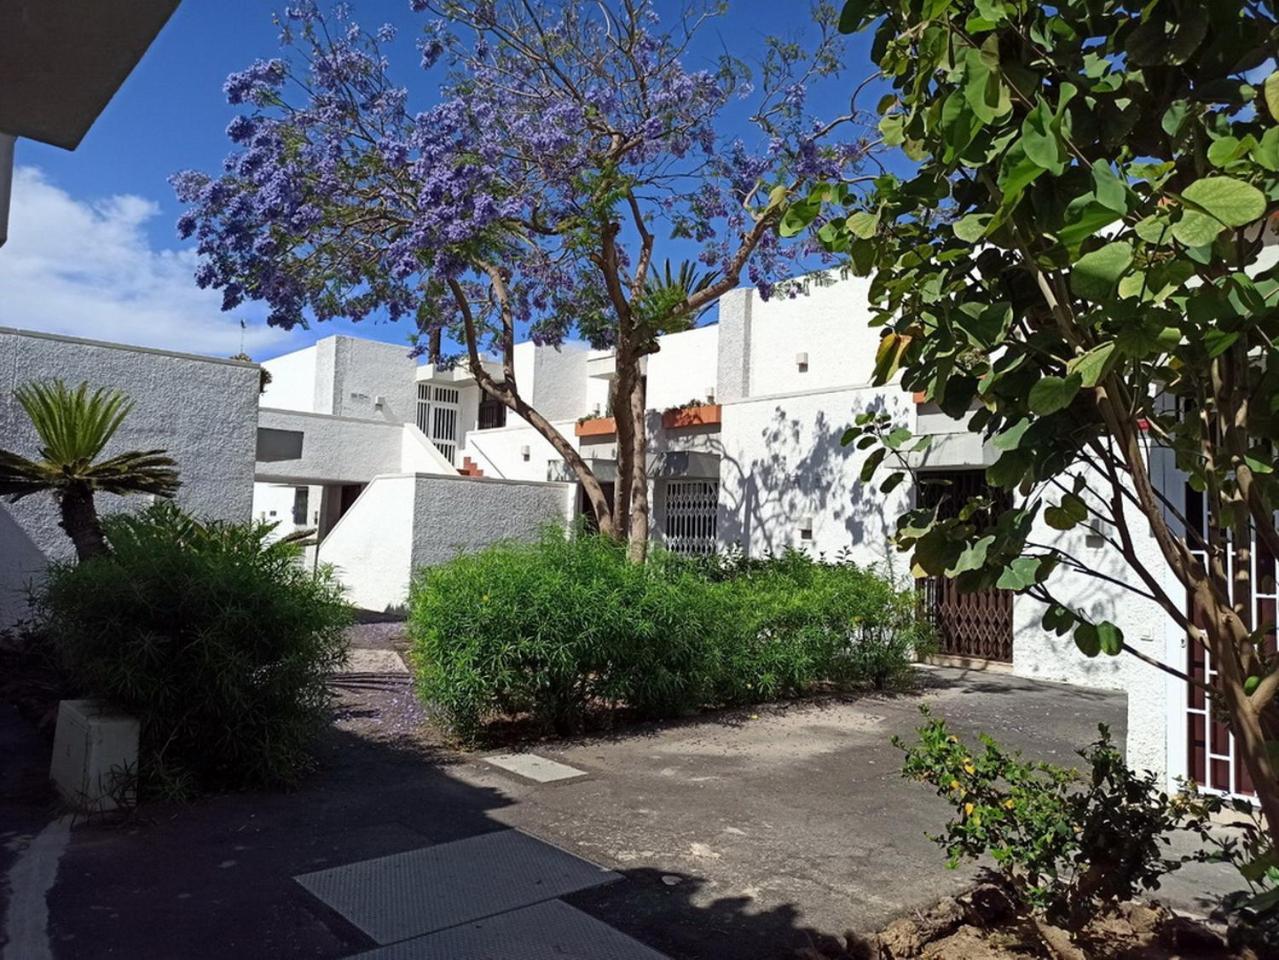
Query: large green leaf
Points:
[1270, 89]
[1040, 141]
[1232, 202]
[1021, 574]
[1096, 274]
[856, 14]
[1050, 394]
[1094, 364]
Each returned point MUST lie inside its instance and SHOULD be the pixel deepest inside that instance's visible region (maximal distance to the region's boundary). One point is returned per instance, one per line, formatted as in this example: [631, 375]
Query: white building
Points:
[399, 464]
[202, 410]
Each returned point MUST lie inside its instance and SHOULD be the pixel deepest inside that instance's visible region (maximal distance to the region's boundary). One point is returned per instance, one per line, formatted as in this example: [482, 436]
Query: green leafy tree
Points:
[74, 427]
[1079, 263]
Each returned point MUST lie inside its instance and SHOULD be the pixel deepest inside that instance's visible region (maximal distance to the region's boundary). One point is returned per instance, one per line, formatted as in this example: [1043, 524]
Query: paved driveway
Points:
[738, 836]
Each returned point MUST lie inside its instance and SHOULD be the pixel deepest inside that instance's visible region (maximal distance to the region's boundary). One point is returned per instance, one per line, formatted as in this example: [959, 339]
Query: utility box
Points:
[95, 756]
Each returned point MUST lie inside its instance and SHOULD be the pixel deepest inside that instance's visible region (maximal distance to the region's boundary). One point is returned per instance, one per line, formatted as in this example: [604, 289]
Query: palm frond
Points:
[20, 477]
[147, 471]
[689, 279]
[73, 425]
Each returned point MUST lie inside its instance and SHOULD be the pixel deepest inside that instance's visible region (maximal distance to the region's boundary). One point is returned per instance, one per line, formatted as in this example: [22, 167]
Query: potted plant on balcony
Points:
[594, 425]
[694, 413]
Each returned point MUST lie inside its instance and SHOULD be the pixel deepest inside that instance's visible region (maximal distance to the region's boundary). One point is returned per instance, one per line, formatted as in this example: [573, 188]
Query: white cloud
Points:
[89, 270]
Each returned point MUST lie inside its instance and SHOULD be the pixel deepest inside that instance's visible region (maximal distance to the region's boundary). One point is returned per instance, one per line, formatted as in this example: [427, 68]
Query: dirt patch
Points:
[985, 924]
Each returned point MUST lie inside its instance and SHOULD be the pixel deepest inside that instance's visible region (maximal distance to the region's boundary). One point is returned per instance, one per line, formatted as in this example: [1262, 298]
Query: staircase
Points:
[469, 468]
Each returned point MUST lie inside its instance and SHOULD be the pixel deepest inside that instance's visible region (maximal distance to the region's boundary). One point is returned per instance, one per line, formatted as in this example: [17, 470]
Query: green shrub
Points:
[218, 641]
[566, 628]
[1066, 843]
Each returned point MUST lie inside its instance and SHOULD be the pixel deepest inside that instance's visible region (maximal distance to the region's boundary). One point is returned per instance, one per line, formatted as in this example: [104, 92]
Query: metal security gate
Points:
[1211, 747]
[692, 507]
[977, 624]
[437, 414]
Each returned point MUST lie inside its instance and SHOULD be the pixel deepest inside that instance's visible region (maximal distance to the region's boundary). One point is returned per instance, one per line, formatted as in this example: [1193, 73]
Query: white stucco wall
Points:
[367, 369]
[684, 369]
[781, 461]
[292, 385]
[828, 322]
[404, 521]
[371, 547]
[497, 452]
[559, 382]
[1041, 654]
[453, 515]
[334, 449]
[202, 410]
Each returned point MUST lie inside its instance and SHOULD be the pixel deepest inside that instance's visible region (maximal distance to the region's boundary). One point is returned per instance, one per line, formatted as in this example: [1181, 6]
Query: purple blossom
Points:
[347, 204]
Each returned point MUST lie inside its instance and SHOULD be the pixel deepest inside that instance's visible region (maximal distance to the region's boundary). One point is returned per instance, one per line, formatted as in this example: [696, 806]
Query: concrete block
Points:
[95, 755]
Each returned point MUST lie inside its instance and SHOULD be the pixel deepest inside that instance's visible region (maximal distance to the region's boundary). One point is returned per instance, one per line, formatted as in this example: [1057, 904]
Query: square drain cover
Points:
[532, 767]
[421, 891]
[546, 931]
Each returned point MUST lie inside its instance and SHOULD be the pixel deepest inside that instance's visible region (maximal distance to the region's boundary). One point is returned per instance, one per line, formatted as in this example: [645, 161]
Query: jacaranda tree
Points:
[568, 144]
[1080, 262]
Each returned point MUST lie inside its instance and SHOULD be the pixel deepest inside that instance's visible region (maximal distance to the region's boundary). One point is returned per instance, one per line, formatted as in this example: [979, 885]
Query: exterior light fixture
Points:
[801, 362]
[524, 451]
[806, 528]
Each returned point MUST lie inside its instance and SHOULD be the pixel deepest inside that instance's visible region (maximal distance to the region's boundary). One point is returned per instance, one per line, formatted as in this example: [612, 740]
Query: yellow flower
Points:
[969, 768]
[956, 785]
[968, 809]
[1008, 804]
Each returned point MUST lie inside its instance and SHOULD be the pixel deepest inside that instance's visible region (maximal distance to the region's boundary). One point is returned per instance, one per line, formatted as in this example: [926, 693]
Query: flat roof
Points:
[111, 345]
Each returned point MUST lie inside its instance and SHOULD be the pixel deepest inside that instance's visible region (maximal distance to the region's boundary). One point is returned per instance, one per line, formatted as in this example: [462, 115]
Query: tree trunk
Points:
[637, 543]
[1227, 636]
[435, 348]
[80, 521]
[620, 393]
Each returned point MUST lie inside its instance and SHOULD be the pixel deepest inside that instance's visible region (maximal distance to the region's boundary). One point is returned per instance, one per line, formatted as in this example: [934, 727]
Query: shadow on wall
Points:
[804, 472]
[22, 564]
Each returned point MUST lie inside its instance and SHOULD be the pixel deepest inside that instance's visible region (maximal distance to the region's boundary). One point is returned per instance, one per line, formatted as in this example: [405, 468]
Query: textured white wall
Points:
[781, 460]
[367, 369]
[202, 410]
[559, 382]
[1042, 654]
[828, 322]
[334, 449]
[292, 385]
[455, 515]
[497, 452]
[401, 522]
[685, 368]
[371, 547]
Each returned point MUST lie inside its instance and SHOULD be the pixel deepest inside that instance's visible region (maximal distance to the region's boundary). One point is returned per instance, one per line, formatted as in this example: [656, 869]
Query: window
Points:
[691, 516]
[492, 412]
[437, 409]
[300, 495]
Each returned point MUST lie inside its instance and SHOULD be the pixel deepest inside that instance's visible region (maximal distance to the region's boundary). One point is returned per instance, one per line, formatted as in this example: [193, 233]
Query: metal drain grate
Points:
[410, 894]
[546, 931]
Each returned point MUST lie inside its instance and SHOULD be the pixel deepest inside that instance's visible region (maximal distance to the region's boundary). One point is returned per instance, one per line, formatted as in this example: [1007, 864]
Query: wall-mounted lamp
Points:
[710, 394]
[801, 362]
[806, 528]
[524, 451]
[379, 403]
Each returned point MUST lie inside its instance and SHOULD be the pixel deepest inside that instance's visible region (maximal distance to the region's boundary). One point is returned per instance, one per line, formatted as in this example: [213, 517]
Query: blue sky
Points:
[93, 250]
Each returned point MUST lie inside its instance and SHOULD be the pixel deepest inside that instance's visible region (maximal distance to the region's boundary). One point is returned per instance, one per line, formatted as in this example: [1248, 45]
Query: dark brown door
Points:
[977, 624]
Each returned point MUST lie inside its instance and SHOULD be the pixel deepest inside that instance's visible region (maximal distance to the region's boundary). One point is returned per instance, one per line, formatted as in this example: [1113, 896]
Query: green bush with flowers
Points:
[1067, 843]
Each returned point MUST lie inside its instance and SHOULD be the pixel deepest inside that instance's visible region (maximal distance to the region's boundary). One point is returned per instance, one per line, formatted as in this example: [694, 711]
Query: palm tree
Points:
[74, 426]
